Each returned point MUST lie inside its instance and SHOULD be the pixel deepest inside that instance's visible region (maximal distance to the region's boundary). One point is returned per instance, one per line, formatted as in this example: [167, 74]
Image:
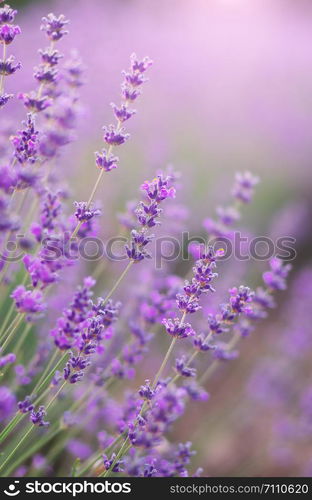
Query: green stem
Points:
[121, 277]
[6, 319]
[46, 374]
[16, 322]
[32, 449]
[2, 75]
[11, 425]
[164, 363]
[56, 394]
[17, 446]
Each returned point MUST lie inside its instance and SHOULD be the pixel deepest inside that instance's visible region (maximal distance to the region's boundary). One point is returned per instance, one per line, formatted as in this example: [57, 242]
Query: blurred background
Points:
[230, 90]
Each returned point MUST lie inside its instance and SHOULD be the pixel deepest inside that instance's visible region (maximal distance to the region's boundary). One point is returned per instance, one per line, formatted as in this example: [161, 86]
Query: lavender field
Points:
[155, 234]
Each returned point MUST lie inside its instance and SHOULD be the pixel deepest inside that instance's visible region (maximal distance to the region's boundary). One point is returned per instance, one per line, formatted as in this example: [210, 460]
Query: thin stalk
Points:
[32, 449]
[6, 431]
[22, 338]
[2, 76]
[7, 319]
[18, 346]
[164, 363]
[46, 374]
[121, 277]
[17, 447]
[56, 395]
[16, 322]
[10, 310]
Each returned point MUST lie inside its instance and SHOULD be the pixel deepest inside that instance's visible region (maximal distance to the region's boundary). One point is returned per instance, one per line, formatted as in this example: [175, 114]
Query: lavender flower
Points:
[54, 26]
[222, 353]
[26, 142]
[106, 161]
[123, 113]
[7, 14]
[8, 33]
[147, 214]
[276, 278]
[8, 66]
[34, 103]
[25, 406]
[146, 391]
[183, 369]
[114, 136]
[37, 417]
[83, 212]
[50, 57]
[29, 302]
[178, 329]
[4, 98]
[244, 186]
[8, 359]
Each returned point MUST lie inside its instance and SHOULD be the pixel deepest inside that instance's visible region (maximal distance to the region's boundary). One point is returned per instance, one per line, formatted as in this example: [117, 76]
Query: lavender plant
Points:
[95, 379]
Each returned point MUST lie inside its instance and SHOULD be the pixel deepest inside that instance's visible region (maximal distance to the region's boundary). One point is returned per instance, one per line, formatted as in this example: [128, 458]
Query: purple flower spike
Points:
[50, 57]
[159, 188]
[8, 66]
[184, 453]
[129, 93]
[34, 103]
[182, 368]
[146, 391]
[8, 33]
[54, 26]
[83, 212]
[105, 161]
[240, 297]
[46, 74]
[4, 98]
[222, 353]
[276, 278]
[26, 142]
[28, 301]
[138, 66]
[26, 405]
[123, 113]
[177, 329]
[216, 325]
[37, 417]
[243, 188]
[201, 344]
[7, 15]
[114, 136]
